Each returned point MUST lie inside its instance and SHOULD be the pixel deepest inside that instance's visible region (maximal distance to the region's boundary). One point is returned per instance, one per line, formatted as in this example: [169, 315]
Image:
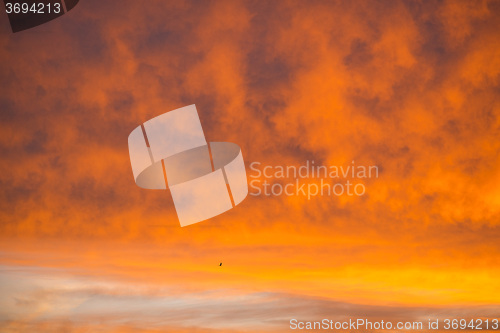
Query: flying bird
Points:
[220, 264]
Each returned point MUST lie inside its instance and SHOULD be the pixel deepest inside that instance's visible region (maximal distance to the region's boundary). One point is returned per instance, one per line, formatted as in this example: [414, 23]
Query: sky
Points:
[409, 86]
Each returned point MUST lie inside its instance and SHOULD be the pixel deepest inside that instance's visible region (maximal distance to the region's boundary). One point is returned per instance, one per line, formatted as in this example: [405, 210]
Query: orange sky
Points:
[412, 87]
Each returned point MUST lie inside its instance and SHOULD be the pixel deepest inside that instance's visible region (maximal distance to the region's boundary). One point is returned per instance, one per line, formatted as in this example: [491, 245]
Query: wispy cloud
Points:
[53, 297]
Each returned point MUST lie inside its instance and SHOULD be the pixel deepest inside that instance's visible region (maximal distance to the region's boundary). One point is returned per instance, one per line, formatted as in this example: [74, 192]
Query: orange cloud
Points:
[410, 87]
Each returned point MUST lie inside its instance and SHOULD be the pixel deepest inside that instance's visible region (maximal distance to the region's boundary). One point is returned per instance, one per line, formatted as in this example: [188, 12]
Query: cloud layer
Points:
[412, 87]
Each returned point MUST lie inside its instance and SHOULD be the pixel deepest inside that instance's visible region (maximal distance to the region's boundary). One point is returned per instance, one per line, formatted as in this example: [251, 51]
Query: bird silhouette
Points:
[220, 264]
